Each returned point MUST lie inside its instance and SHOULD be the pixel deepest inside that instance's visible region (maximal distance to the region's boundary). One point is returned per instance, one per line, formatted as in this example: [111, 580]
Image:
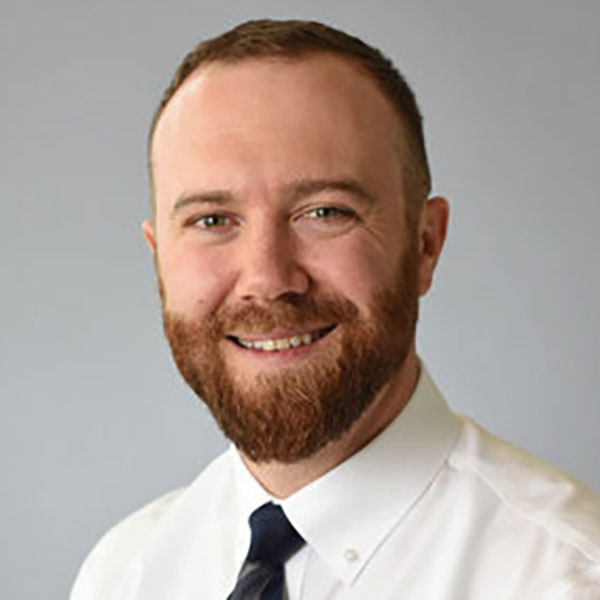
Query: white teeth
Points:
[280, 344]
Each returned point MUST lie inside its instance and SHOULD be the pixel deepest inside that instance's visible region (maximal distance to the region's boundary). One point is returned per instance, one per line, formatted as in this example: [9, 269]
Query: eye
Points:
[330, 213]
[213, 221]
[326, 220]
[210, 222]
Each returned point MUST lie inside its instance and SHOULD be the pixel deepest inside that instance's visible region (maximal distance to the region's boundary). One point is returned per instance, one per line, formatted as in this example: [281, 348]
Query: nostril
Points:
[269, 284]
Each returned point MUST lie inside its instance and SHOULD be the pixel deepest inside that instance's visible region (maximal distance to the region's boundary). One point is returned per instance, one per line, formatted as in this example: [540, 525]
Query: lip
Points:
[319, 334]
[280, 334]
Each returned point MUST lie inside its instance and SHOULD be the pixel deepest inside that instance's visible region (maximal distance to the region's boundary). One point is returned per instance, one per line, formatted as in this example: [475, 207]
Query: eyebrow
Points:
[304, 188]
[218, 197]
[293, 192]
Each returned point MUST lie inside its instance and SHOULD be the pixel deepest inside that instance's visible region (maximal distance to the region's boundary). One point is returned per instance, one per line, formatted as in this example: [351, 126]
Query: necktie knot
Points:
[274, 538]
[273, 541]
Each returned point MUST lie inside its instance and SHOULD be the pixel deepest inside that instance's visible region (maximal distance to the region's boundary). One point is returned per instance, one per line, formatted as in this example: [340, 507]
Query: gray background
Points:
[95, 421]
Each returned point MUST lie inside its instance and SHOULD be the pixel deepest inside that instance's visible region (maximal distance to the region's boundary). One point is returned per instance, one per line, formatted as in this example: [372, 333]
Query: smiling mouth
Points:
[284, 343]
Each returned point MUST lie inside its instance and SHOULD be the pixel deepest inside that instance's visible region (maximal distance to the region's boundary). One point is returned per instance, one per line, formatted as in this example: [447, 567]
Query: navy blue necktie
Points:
[273, 541]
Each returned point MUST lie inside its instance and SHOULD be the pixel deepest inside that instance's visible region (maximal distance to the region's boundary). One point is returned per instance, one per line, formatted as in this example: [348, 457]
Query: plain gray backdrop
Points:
[95, 421]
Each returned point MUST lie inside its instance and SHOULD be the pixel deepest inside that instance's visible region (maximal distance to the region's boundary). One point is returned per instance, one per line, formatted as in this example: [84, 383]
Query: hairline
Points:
[403, 145]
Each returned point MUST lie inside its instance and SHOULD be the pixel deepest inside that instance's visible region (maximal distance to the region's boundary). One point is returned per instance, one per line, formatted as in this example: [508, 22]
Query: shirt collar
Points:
[250, 493]
[347, 513]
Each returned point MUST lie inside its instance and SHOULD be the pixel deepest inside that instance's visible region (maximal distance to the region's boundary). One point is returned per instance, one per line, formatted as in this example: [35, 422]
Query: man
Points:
[293, 236]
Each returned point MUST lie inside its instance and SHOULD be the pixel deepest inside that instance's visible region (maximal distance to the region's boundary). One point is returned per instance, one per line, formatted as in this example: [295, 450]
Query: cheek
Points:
[193, 282]
[355, 271]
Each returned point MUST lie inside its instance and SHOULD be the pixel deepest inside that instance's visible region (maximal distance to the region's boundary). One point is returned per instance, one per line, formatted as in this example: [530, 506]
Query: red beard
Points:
[291, 414]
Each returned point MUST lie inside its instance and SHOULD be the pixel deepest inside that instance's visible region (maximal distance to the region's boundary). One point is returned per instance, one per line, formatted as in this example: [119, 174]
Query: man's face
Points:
[288, 277]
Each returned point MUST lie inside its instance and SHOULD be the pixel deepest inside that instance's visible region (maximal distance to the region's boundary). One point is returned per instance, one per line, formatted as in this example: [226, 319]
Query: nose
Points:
[269, 265]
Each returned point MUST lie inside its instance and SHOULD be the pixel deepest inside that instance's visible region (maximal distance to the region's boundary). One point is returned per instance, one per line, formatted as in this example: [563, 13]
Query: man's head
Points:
[295, 40]
[289, 248]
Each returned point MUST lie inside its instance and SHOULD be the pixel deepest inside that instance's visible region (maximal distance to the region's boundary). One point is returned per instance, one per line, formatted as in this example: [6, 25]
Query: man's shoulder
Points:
[118, 548]
[536, 492]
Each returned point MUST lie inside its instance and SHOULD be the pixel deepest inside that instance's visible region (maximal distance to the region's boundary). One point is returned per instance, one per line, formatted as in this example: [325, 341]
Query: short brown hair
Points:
[266, 38]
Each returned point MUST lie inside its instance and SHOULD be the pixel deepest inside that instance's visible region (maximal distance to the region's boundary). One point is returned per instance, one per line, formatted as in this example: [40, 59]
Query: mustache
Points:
[291, 312]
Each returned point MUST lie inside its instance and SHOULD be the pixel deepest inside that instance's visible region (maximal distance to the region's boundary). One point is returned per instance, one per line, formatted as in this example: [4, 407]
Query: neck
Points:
[282, 479]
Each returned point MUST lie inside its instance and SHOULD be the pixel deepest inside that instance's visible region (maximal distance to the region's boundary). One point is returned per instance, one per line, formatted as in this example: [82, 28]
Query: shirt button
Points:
[351, 555]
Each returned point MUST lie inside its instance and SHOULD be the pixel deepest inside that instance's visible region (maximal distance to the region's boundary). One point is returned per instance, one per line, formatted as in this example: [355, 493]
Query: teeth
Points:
[281, 344]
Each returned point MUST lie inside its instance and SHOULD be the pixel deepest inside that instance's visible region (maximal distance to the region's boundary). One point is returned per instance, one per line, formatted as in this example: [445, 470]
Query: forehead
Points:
[271, 120]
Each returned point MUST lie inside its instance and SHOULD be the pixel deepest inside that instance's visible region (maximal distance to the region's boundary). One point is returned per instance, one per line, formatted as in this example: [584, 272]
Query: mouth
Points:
[281, 344]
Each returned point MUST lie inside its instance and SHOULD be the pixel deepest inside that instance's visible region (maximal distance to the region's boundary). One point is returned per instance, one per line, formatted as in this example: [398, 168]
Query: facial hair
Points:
[290, 414]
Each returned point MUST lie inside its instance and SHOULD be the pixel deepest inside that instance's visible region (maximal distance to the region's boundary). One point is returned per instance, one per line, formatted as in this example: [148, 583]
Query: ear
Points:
[433, 225]
[148, 231]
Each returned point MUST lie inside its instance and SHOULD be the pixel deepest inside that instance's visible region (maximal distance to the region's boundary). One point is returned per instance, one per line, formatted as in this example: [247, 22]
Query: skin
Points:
[277, 177]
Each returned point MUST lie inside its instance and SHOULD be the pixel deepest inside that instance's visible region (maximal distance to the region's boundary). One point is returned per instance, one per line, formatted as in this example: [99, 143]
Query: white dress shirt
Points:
[434, 508]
